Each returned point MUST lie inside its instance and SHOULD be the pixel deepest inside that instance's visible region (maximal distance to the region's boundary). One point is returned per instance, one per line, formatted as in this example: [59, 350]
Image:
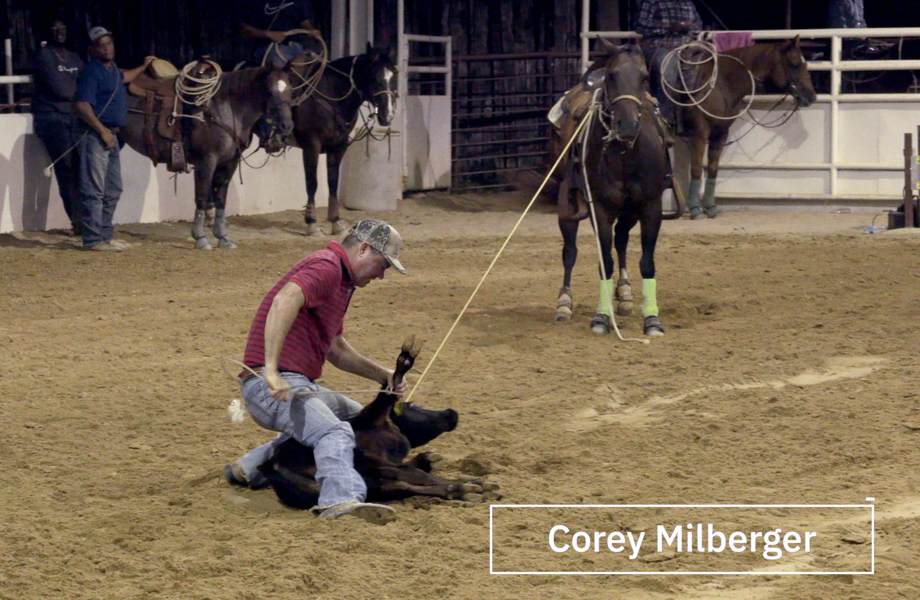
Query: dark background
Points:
[181, 30]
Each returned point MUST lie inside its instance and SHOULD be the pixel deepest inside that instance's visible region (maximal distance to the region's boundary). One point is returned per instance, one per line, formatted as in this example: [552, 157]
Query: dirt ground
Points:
[788, 375]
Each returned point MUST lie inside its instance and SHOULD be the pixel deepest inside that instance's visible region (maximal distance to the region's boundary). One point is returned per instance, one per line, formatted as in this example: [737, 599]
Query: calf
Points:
[382, 445]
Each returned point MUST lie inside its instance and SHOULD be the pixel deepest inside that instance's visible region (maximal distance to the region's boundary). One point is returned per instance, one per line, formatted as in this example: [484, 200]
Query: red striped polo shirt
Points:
[325, 277]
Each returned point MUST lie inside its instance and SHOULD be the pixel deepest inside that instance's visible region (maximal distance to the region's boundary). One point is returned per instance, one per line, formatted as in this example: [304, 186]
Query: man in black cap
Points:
[56, 72]
[297, 328]
[102, 105]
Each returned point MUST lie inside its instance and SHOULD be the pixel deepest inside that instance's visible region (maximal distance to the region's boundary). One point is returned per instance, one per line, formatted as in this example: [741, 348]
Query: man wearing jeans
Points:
[297, 328]
[102, 105]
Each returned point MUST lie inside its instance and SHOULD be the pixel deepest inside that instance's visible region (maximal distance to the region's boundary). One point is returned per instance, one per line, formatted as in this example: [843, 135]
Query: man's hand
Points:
[149, 60]
[108, 138]
[400, 390]
[681, 27]
[277, 386]
[275, 36]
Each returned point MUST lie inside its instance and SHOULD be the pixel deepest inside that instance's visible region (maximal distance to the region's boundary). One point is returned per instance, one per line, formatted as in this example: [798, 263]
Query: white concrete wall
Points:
[428, 143]
[30, 201]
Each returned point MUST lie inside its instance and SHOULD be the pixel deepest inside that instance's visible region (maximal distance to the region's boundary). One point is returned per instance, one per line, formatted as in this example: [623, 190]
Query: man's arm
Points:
[343, 356]
[129, 75]
[85, 111]
[281, 316]
[248, 31]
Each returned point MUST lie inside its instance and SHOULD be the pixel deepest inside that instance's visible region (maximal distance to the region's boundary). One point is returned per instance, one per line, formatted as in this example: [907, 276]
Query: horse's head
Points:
[375, 78]
[790, 73]
[625, 87]
[278, 108]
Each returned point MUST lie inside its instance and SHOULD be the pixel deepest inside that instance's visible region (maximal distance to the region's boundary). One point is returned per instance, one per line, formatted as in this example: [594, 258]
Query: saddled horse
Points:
[623, 152]
[215, 143]
[324, 121]
[774, 67]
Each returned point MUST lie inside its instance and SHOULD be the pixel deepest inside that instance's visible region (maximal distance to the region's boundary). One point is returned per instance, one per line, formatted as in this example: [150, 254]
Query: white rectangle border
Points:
[871, 508]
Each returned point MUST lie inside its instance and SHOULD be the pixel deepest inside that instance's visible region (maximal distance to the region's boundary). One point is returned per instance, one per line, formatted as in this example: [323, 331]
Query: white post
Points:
[836, 46]
[403, 84]
[8, 53]
[370, 21]
[585, 41]
[339, 30]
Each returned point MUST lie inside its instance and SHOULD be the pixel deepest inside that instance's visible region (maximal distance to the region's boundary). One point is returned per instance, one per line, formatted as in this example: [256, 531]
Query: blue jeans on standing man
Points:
[100, 188]
[55, 130]
[315, 421]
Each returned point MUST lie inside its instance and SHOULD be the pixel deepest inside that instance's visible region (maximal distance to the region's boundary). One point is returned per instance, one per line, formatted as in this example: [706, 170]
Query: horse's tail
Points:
[679, 199]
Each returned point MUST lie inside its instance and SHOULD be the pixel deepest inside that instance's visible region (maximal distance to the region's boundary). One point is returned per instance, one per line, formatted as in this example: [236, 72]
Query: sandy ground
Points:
[788, 375]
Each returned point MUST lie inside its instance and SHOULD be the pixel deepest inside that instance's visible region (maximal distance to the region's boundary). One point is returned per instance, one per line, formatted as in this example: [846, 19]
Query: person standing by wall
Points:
[102, 106]
[56, 73]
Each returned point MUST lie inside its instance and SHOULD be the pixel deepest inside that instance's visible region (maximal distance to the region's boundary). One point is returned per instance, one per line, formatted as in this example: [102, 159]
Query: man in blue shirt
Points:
[56, 72]
[102, 105]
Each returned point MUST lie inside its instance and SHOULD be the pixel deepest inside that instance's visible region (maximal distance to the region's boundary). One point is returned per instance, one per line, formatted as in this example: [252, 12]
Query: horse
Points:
[383, 439]
[215, 141]
[774, 67]
[324, 120]
[623, 153]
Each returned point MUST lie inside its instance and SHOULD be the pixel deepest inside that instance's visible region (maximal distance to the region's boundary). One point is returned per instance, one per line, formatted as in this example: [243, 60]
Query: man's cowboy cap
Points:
[98, 32]
[382, 237]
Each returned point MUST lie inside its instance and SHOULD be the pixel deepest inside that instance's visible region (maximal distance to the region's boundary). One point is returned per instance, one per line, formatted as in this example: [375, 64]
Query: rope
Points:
[311, 83]
[494, 260]
[597, 236]
[710, 55]
[197, 93]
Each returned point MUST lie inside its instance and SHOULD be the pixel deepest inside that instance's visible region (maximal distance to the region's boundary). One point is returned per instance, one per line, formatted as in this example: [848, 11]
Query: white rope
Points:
[494, 260]
[709, 55]
[196, 91]
[597, 236]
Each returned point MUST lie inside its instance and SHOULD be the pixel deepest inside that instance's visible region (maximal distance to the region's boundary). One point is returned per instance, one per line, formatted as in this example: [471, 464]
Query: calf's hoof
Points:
[600, 324]
[314, 230]
[653, 327]
[226, 242]
[202, 243]
[339, 227]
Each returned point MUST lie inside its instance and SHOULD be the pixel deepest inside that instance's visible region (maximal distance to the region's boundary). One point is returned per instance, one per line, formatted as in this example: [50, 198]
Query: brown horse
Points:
[620, 163]
[774, 67]
[216, 142]
[324, 121]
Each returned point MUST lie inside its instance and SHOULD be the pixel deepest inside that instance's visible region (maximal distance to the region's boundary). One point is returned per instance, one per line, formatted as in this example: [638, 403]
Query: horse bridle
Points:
[606, 118]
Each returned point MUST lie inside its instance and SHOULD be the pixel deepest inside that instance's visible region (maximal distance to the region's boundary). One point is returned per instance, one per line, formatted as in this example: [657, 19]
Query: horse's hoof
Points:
[713, 211]
[600, 324]
[624, 308]
[696, 212]
[563, 314]
[202, 243]
[653, 327]
[339, 227]
[314, 230]
[226, 242]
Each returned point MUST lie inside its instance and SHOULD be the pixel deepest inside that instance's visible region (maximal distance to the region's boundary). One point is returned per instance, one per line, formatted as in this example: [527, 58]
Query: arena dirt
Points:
[788, 375]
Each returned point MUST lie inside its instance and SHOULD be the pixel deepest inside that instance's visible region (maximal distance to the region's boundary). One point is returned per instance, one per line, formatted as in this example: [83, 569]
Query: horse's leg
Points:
[716, 143]
[603, 317]
[651, 223]
[204, 175]
[310, 161]
[333, 162]
[222, 176]
[564, 304]
[620, 241]
[697, 150]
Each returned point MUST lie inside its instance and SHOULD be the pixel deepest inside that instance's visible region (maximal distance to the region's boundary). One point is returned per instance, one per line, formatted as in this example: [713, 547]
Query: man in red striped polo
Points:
[297, 328]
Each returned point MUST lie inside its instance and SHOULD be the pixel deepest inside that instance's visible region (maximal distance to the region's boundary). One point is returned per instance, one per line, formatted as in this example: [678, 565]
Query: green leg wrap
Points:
[693, 199]
[605, 303]
[709, 196]
[649, 298]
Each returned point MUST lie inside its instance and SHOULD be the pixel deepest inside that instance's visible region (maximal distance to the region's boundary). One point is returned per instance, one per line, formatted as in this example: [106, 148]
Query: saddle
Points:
[157, 86]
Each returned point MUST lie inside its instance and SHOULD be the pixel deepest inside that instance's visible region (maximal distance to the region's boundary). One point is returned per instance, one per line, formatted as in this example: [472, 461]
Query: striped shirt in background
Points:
[656, 18]
[325, 277]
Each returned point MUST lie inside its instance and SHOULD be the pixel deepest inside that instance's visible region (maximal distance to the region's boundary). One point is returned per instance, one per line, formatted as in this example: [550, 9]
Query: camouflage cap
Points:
[382, 237]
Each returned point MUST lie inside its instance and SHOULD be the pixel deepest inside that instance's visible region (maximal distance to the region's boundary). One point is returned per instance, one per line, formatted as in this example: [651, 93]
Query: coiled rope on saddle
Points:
[196, 90]
[686, 56]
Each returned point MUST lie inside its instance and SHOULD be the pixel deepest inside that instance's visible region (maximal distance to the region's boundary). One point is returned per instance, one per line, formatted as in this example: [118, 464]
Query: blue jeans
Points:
[55, 130]
[314, 421]
[100, 188]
